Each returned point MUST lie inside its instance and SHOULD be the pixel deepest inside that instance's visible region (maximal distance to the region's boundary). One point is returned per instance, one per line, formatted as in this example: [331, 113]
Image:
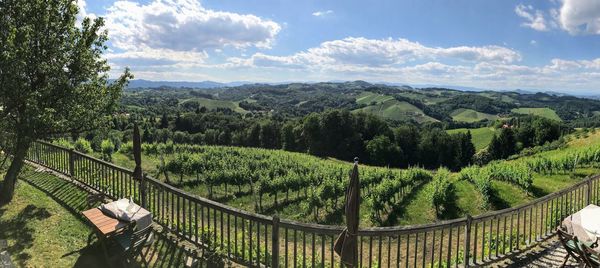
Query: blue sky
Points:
[547, 45]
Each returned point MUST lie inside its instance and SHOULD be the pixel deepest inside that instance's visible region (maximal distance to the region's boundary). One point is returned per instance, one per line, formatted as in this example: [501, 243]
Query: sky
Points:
[500, 45]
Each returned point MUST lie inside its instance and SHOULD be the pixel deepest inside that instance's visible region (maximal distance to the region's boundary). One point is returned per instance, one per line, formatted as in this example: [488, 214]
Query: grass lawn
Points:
[43, 227]
[40, 231]
[214, 104]
[543, 112]
[481, 137]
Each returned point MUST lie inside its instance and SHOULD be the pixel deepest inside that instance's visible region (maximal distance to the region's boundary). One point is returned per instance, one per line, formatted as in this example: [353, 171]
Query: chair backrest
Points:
[139, 238]
[570, 243]
[590, 256]
[94, 199]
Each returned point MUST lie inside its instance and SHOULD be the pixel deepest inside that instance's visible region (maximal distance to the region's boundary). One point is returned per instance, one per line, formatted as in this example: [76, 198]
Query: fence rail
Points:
[264, 241]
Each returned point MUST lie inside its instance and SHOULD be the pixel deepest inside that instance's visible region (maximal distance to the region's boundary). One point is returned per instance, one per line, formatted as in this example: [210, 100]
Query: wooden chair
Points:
[127, 246]
[94, 199]
[590, 256]
[571, 245]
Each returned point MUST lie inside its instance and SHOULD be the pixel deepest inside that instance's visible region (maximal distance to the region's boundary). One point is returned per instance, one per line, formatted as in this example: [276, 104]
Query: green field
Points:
[481, 137]
[543, 112]
[390, 108]
[369, 98]
[214, 104]
[470, 116]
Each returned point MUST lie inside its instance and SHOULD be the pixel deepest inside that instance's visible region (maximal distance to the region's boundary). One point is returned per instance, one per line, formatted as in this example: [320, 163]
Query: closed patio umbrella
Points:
[346, 245]
[137, 155]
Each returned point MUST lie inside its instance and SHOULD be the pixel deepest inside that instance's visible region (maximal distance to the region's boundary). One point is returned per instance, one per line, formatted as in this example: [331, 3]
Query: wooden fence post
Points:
[72, 163]
[467, 240]
[143, 196]
[275, 242]
[589, 192]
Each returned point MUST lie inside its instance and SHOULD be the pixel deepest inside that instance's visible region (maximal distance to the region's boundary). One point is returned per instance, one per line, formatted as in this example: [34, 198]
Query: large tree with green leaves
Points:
[53, 78]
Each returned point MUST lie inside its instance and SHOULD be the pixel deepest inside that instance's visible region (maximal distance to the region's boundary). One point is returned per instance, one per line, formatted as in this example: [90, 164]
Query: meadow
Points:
[481, 137]
[543, 112]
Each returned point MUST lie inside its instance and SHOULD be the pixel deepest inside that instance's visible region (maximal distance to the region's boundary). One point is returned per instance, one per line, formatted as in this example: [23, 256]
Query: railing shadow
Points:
[164, 251]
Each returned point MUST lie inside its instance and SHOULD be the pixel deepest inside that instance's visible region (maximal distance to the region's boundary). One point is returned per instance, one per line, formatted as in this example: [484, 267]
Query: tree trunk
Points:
[8, 186]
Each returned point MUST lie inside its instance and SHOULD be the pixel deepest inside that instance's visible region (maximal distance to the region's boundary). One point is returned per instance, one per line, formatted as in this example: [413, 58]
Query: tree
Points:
[503, 145]
[53, 79]
[467, 149]
[382, 151]
[288, 139]
[164, 121]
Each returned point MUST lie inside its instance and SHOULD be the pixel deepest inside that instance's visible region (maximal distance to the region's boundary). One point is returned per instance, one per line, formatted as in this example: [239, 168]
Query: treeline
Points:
[521, 133]
[334, 133]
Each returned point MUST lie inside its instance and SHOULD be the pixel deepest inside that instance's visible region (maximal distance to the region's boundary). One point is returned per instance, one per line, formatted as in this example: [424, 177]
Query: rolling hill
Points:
[470, 116]
[421, 105]
[390, 108]
[543, 112]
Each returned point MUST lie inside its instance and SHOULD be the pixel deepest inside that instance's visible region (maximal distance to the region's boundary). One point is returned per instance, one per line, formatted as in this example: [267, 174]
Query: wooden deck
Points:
[548, 254]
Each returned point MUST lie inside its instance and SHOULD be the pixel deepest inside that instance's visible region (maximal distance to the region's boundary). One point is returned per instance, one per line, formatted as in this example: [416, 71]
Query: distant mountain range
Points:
[141, 83]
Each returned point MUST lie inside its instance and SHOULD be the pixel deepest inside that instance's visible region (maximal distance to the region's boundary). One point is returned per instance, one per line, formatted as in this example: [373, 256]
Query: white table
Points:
[585, 224]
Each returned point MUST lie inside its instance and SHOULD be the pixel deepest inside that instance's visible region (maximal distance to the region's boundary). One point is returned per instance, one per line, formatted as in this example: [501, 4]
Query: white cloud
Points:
[322, 13]
[533, 42]
[534, 18]
[379, 53]
[580, 16]
[156, 57]
[401, 60]
[184, 25]
[81, 4]
[573, 16]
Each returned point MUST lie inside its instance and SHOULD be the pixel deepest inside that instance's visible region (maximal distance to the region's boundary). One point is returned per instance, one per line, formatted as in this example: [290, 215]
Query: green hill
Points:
[470, 116]
[214, 104]
[481, 137]
[390, 108]
[543, 112]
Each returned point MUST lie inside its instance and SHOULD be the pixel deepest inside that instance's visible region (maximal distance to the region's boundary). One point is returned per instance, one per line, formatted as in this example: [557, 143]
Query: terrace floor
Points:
[44, 228]
[549, 254]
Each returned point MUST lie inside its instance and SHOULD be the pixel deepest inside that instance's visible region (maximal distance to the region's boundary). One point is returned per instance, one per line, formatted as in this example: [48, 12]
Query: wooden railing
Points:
[264, 241]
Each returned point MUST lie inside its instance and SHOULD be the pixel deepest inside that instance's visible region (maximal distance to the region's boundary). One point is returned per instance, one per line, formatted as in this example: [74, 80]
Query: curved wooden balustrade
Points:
[258, 240]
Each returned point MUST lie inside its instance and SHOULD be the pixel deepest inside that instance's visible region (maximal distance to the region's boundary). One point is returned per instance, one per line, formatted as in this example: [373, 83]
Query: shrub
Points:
[107, 148]
[83, 146]
[64, 143]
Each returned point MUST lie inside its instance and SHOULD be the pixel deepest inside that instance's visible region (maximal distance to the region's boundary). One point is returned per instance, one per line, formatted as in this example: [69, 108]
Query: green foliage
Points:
[482, 179]
[387, 193]
[322, 184]
[54, 76]
[517, 173]
[503, 145]
[64, 143]
[439, 190]
[107, 148]
[83, 146]
[382, 151]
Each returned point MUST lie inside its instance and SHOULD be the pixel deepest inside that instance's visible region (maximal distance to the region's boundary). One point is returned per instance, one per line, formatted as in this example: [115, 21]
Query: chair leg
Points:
[565, 261]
